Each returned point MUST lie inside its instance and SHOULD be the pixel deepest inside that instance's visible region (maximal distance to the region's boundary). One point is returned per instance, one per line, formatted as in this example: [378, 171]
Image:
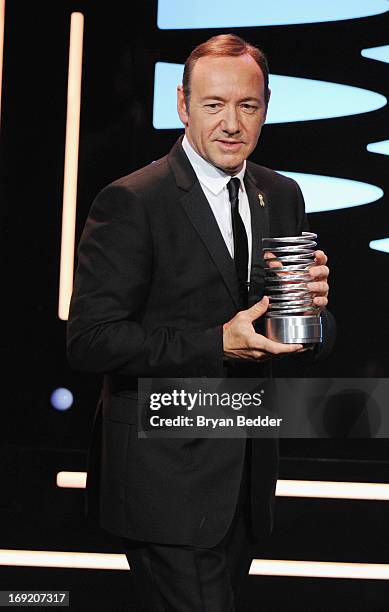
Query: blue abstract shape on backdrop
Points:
[380, 245]
[179, 14]
[310, 99]
[325, 193]
[381, 53]
[307, 99]
[381, 147]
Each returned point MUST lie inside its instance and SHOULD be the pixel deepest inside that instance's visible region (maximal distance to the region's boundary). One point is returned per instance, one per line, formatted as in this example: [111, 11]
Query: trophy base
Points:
[303, 329]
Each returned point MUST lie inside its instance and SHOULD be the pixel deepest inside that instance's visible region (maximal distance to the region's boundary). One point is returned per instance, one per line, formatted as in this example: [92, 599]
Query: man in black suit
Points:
[161, 291]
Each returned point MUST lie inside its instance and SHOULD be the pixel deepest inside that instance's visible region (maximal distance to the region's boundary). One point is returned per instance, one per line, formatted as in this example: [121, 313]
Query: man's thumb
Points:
[258, 309]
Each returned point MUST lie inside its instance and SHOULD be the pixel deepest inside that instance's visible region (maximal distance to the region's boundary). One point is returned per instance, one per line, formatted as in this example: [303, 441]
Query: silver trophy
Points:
[292, 317]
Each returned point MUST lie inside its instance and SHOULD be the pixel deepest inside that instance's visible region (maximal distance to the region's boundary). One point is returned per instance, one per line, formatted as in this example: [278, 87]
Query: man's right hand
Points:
[240, 340]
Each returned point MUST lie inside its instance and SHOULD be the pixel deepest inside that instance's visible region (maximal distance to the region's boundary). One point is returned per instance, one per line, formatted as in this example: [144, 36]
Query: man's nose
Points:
[231, 121]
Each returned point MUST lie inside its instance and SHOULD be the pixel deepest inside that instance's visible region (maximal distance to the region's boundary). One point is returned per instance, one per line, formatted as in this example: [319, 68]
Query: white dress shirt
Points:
[213, 182]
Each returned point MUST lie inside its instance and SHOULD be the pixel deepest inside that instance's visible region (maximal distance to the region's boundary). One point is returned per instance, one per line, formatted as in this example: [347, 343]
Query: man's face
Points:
[226, 111]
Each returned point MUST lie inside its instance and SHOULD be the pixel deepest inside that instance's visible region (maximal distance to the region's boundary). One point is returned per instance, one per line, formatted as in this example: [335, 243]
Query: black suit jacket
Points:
[154, 284]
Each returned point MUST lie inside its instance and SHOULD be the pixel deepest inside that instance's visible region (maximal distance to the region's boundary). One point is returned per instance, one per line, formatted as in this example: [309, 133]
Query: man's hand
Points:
[240, 340]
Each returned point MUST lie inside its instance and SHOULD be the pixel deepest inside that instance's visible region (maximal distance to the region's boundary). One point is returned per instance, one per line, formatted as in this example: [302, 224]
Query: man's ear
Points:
[181, 105]
[267, 103]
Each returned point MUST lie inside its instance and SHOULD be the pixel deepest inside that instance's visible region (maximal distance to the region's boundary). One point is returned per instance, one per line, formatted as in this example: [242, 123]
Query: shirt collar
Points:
[213, 178]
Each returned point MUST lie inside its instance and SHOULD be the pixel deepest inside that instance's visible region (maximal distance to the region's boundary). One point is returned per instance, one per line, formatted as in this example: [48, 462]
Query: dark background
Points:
[121, 47]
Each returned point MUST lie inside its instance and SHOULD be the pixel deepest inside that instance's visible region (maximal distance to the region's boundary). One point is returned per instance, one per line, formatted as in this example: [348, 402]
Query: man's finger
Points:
[319, 271]
[320, 287]
[320, 301]
[321, 258]
[272, 264]
[258, 309]
[277, 348]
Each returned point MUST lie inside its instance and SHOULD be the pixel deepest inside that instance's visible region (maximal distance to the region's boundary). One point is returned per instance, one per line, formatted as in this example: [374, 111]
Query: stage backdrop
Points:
[329, 77]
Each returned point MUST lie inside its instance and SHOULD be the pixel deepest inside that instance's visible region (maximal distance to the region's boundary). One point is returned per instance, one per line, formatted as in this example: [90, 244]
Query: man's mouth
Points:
[230, 145]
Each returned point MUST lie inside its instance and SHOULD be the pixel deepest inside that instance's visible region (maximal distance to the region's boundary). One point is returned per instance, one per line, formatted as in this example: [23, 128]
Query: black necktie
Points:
[241, 252]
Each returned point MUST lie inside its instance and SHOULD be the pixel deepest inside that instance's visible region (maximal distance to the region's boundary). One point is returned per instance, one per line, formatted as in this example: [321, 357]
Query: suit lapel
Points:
[259, 230]
[200, 214]
[202, 218]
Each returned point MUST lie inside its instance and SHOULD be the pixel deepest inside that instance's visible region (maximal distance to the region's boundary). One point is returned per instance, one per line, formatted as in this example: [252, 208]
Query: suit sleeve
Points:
[112, 282]
[320, 351]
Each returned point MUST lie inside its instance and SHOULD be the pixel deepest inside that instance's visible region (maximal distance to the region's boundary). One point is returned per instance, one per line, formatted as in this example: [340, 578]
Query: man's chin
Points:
[229, 166]
[228, 163]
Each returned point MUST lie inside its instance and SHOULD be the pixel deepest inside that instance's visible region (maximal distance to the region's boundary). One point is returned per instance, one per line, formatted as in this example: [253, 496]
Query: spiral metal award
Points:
[292, 317]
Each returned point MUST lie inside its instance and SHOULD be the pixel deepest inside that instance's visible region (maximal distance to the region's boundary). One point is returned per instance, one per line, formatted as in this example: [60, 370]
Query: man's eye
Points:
[250, 108]
[213, 106]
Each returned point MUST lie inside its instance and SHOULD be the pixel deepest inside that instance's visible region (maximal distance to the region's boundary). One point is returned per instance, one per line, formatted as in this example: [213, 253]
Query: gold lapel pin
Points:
[261, 200]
